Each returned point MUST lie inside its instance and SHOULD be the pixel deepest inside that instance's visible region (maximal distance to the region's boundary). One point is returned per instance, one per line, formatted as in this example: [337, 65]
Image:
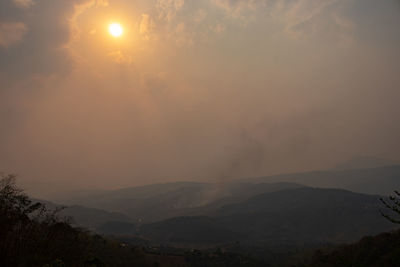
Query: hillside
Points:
[92, 218]
[305, 215]
[89, 218]
[378, 181]
[151, 203]
[371, 251]
[296, 216]
[189, 231]
[162, 201]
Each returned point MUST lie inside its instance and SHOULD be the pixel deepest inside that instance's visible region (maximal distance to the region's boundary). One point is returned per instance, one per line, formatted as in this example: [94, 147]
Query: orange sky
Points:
[194, 90]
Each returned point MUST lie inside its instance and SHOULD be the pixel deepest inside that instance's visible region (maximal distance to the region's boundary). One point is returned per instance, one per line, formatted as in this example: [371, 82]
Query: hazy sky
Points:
[194, 89]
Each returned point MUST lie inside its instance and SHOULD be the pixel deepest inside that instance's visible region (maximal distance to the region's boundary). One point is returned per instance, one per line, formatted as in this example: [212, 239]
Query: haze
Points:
[194, 90]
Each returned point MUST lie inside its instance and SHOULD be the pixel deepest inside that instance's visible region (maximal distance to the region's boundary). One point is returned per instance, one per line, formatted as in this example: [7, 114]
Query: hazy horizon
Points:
[67, 192]
[194, 90]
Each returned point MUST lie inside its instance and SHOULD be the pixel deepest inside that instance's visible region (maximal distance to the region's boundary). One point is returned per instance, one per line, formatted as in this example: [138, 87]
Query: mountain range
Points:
[305, 208]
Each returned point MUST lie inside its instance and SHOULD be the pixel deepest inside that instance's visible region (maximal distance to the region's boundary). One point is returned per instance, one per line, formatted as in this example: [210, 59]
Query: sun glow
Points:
[115, 29]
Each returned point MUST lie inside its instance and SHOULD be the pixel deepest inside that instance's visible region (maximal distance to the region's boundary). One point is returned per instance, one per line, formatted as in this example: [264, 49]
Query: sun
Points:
[115, 29]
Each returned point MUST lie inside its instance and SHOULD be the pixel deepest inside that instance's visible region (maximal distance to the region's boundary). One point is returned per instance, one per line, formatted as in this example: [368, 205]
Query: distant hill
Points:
[291, 216]
[305, 215]
[381, 180]
[157, 202]
[90, 218]
[151, 202]
[227, 202]
[162, 201]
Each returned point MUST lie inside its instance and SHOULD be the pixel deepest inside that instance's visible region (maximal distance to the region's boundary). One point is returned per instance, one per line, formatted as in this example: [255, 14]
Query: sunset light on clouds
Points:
[198, 90]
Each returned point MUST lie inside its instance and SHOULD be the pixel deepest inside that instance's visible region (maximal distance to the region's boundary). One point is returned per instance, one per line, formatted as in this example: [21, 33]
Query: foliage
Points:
[219, 258]
[377, 251]
[393, 204]
[31, 234]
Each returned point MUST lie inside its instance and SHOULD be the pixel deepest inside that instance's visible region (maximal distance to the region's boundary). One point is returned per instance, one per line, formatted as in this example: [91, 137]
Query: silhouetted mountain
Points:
[301, 215]
[85, 217]
[92, 218]
[152, 202]
[381, 180]
[162, 201]
[235, 193]
[248, 210]
[306, 214]
[157, 202]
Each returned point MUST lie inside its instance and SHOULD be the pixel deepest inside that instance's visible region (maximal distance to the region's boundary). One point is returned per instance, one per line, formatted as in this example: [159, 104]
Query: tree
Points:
[31, 235]
[13, 202]
[392, 203]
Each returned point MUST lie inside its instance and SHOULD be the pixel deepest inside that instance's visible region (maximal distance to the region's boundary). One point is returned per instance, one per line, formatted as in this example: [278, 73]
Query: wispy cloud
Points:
[299, 19]
[120, 58]
[12, 33]
[303, 18]
[168, 8]
[146, 26]
[235, 8]
[24, 3]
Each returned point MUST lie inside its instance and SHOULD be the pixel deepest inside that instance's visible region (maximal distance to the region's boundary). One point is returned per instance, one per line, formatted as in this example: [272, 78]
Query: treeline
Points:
[377, 251]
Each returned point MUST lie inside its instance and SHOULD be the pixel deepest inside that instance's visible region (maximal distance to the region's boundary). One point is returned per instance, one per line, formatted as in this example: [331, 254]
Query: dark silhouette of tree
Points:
[392, 203]
[31, 235]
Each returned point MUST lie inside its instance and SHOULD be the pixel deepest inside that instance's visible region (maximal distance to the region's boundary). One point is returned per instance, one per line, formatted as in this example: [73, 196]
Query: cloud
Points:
[218, 28]
[236, 5]
[299, 19]
[308, 17]
[90, 109]
[200, 16]
[167, 9]
[303, 19]
[146, 26]
[182, 36]
[24, 3]
[12, 33]
[120, 58]
[43, 49]
[236, 8]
